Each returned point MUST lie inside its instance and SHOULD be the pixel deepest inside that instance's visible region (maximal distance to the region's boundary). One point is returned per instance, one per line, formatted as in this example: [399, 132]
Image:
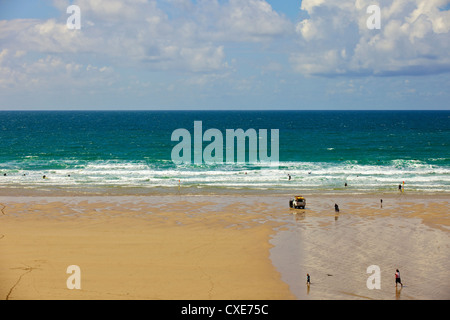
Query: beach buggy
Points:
[298, 202]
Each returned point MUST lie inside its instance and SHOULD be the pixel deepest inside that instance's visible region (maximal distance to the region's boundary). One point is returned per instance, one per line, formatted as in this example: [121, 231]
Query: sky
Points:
[225, 54]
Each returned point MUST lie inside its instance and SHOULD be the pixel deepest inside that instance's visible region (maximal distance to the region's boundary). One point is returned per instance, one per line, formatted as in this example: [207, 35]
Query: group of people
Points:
[400, 186]
[397, 272]
[43, 177]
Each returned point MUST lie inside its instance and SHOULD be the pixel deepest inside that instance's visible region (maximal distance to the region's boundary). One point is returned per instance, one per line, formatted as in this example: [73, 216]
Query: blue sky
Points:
[227, 54]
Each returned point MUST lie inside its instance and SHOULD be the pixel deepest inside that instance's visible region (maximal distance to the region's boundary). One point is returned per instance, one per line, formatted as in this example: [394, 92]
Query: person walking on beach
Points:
[397, 278]
[336, 207]
[308, 279]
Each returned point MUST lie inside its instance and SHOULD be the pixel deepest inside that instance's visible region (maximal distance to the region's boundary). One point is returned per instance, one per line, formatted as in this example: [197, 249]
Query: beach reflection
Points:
[398, 291]
[395, 235]
[299, 215]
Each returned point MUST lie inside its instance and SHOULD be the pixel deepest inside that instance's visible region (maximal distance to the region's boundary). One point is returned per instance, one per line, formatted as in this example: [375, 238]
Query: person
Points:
[381, 200]
[336, 207]
[308, 279]
[346, 184]
[400, 187]
[397, 278]
[289, 177]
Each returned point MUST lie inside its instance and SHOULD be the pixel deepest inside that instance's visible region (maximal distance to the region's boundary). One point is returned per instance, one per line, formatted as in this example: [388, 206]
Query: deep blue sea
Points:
[320, 150]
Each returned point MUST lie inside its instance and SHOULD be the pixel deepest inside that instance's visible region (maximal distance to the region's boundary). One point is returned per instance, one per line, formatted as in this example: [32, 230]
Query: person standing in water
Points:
[397, 278]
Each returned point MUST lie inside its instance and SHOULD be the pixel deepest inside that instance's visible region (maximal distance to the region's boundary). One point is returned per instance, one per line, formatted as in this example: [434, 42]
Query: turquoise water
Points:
[321, 150]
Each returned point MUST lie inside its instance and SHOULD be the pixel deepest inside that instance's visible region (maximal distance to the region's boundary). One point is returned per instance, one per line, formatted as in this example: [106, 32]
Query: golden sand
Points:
[134, 250]
[223, 247]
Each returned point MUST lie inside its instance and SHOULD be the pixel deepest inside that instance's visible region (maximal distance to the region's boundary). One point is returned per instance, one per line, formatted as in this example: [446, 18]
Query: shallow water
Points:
[337, 249]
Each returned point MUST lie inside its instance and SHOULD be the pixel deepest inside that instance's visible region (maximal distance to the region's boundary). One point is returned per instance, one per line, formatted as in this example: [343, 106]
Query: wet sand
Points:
[224, 247]
[409, 233]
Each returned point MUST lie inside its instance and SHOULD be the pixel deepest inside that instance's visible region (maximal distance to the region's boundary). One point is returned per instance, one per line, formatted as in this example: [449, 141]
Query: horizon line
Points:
[214, 110]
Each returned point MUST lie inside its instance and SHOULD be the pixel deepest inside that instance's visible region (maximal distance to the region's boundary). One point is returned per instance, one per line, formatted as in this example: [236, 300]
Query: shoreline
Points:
[200, 191]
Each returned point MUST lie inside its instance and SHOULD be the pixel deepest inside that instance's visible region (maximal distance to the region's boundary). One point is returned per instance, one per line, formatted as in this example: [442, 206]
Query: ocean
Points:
[131, 151]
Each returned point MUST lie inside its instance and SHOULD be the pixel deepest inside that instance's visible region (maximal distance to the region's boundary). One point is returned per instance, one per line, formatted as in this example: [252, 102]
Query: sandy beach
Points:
[224, 247]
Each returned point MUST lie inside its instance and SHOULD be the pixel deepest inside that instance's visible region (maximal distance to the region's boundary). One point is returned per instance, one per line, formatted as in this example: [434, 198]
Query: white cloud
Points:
[17, 72]
[138, 31]
[414, 38]
[203, 59]
[184, 37]
[250, 20]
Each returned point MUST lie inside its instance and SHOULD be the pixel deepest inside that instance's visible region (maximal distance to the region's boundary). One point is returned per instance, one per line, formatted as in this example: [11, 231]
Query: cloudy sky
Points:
[224, 54]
